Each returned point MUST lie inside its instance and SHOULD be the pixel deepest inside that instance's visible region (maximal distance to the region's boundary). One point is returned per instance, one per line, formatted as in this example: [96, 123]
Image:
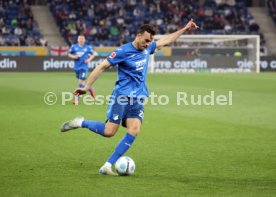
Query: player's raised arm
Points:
[93, 77]
[168, 39]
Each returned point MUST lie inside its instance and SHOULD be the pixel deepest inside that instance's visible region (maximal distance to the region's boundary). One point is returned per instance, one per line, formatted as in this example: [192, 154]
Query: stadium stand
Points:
[113, 22]
[17, 25]
[271, 7]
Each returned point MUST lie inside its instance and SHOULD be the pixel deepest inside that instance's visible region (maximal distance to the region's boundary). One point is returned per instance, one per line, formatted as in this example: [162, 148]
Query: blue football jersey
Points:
[83, 54]
[132, 69]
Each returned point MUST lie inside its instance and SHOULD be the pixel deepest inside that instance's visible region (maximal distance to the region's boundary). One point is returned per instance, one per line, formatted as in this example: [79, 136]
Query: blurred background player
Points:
[126, 104]
[82, 54]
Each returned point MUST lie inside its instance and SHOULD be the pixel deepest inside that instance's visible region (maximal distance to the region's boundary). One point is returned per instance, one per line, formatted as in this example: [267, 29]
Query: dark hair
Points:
[148, 28]
[81, 34]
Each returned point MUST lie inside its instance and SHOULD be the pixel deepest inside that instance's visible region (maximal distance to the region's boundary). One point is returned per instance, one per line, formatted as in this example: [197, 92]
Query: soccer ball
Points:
[125, 166]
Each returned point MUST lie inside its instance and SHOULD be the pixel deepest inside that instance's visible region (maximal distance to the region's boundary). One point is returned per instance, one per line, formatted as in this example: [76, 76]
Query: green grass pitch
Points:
[181, 150]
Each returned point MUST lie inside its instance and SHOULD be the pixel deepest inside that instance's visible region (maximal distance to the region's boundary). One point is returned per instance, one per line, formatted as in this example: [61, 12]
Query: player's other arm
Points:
[74, 57]
[93, 77]
[91, 57]
[168, 39]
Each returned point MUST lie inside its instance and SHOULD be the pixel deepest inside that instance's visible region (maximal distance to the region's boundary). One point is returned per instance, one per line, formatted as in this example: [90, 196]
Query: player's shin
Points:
[95, 126]
[121, 148]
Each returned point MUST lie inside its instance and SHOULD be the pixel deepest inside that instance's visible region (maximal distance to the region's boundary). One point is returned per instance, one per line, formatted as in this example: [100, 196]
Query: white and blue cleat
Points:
[72, 124]
[106, 170]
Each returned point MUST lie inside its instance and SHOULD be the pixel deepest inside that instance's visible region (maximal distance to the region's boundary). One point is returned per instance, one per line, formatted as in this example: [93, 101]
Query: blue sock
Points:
[95, 126]
[121, 148]
[81, 85]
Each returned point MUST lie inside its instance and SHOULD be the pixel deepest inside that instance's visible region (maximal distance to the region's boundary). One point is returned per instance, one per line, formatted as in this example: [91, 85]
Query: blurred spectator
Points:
[2, 40]
[111, 22]
[30, 41]
[271, 6]
[18, 31]
[17, 25]
[43, 42]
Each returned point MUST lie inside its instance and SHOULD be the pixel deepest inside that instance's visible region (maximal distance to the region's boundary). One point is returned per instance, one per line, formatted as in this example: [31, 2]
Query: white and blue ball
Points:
[125, 166]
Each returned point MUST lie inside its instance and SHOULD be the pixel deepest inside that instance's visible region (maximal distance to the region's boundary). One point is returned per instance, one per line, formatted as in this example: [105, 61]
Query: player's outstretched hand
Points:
[80, 91]
[191, 25]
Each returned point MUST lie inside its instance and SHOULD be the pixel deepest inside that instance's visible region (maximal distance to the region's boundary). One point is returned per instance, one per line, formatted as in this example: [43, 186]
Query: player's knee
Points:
[109, 132]
[134, 130]
[110, 129]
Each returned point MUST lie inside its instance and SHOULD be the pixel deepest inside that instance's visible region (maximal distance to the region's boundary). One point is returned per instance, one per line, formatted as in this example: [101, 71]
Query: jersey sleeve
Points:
[152, 47]
[116, 56]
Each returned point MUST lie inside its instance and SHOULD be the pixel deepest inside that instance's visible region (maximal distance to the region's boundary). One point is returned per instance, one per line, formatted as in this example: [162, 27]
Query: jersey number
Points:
[141, 114]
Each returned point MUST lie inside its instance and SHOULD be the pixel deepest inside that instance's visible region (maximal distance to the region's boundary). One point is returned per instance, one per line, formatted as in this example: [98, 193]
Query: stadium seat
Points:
[212, 16]
[17, 14]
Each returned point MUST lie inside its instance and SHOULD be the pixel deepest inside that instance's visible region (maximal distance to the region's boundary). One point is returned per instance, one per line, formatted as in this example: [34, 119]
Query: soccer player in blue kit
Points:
[82, 54]
[132, 60]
